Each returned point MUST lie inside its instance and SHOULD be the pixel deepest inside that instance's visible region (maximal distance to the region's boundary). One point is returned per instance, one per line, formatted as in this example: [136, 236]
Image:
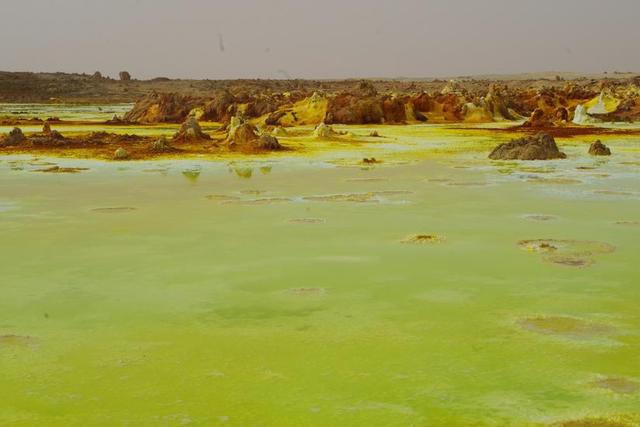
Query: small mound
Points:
[349, 197]
[190, 130]
[587, 247]
[423, 239]
[191, 174]
[222, 197]
[597, 422]
[565, 326]
[538, 245]
[245, 173]
[632, 223]
[540, 217]
[570, 261]
[617, 385]
[117, 209]
[614, 193]
[370, 161]
[392, 192]
[264, 201]
[161, 145]
[324, 131]
[15, 137]
[121, 154]
[307, 221]
[60, 169]
[366, 180]
[558, 181]
[245, 137]
[466, 184]
[38, 162]
[570, 253]
[599, 149]
[16, 340]
[307, 292]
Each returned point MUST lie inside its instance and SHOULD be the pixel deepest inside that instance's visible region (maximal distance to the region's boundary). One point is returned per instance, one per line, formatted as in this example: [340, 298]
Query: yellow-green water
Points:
[84, 112]
[185, 309]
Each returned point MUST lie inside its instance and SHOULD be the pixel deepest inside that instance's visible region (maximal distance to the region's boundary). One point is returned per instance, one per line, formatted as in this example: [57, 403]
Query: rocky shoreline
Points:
[250, 116]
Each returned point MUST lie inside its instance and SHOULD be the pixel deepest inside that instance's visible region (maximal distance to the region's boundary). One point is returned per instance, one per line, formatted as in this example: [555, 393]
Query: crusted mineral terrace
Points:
[250, 115]
[541, 103]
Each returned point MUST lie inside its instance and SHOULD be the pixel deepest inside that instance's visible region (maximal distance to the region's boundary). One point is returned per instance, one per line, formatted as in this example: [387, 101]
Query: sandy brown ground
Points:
[62, 87]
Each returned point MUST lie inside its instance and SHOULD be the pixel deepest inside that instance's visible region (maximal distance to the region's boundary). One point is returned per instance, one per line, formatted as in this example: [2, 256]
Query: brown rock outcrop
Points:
[15, 137]
[245, 137]
[539, 147]
[422, 102]
[599, 149]
[351, 109]
[451, 107]
[161, 108]
[190, 131]
[537, 119]
[561, 114]
[394, 110]
[221, 108]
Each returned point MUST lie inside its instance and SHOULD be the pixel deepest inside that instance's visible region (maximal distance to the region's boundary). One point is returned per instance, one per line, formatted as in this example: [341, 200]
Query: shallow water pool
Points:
[299, 292]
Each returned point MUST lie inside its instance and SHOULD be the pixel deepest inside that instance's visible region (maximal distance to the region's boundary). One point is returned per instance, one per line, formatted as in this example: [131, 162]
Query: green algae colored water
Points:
[84, 112]
[284, 292]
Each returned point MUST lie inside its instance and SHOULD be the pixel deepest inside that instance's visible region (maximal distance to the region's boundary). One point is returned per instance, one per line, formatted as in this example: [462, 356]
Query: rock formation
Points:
[324, 131]
[422, 102]
[539, 147]
[393, 109]
[190, 131]
[48, 137]
[124, 76]
[538, 119]
[452, 87]
[580, 116]
[351, 109]
[161, 108]
[268, 142]
[15, 137]
[245, 137]
[221, 108]
[121, 154]
[561, 114]
[161, 145]
[599, 149]
[603, 104]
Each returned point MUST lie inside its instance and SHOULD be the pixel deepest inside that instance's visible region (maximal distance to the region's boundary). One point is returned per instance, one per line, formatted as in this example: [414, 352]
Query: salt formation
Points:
[599, 107]
[324, 131]
[604, 104]
[580, 116]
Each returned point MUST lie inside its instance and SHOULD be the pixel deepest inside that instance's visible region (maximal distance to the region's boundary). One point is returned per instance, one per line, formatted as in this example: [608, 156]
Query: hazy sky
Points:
[319, 39]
